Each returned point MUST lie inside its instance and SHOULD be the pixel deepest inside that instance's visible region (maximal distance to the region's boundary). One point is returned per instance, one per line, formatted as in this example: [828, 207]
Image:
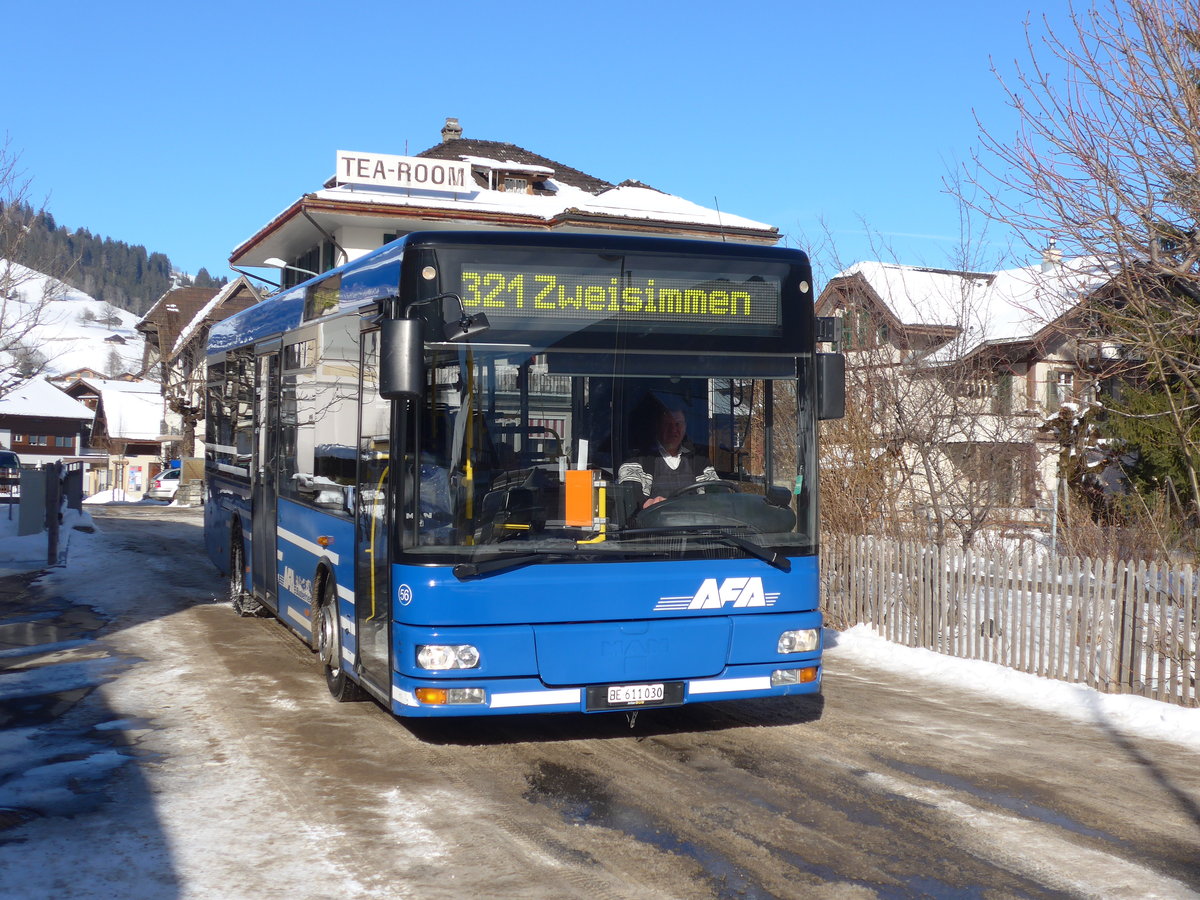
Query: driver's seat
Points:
[628, 498]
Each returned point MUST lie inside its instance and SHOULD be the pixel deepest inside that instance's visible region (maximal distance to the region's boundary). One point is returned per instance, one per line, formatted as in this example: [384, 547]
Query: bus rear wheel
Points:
[329, 646]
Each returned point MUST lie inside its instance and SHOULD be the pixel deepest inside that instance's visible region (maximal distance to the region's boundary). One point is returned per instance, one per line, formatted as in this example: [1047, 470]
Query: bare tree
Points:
[114, 365]
[1106, 160]
[109, 316]
[24, 295]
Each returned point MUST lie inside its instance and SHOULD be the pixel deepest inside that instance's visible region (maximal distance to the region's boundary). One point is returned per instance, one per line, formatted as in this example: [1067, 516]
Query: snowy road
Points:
[210, 762]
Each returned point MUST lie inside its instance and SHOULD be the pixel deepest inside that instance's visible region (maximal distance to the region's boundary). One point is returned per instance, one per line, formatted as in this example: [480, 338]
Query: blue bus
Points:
[442, 465]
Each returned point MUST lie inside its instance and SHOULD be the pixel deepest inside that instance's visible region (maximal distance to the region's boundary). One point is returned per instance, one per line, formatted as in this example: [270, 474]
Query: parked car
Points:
[164, 485]
[10, 475]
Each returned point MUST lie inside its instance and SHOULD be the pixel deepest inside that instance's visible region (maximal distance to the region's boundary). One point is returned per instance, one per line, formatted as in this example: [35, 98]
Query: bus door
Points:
[372, 595]
[265, 473]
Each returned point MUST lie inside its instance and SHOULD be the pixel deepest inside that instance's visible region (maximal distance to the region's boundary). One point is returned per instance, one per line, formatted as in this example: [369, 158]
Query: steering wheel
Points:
[696, 486]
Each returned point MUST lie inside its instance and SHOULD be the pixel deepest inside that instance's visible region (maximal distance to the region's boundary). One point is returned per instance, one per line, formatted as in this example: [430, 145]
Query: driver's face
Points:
[671, 429]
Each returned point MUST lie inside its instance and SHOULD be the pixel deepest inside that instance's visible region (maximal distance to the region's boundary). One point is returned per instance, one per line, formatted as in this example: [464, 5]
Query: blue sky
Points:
[186, 127]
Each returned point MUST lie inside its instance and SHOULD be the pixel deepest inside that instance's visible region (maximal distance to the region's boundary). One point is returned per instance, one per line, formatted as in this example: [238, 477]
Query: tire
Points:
[240, 599]
[327, 638]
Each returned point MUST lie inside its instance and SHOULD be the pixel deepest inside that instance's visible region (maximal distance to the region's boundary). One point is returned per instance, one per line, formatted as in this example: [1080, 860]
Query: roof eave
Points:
[313, 204]
[266, 231]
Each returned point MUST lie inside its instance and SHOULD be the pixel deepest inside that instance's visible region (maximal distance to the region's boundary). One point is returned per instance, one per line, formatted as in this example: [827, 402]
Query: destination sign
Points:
[543, 297]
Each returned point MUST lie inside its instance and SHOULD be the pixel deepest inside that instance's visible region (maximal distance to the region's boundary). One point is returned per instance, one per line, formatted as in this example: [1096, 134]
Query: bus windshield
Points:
[671, 456]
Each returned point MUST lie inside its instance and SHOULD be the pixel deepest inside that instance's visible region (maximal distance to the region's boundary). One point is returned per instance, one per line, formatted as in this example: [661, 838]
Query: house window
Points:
[1002, 395]
[996, 471]
[18, 439]
[857, 333]
[62, 440]
[1060, 388]
[515, 185]
[328, 256]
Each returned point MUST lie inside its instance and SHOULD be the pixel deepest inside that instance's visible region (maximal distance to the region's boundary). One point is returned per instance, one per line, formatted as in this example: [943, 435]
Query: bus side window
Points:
[335, 388]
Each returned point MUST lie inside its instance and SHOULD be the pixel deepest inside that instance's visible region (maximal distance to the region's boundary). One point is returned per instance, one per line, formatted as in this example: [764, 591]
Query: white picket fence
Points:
[1118, 627]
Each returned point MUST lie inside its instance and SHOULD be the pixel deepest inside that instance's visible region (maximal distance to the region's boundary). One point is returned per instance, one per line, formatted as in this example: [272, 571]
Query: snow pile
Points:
[1121, 712]
[27, 553]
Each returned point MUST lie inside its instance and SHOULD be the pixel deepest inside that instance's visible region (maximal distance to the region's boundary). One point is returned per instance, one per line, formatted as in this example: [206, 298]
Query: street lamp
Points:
[276, 263]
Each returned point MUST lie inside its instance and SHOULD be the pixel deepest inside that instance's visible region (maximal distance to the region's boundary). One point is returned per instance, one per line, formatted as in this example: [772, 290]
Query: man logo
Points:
[736, 593]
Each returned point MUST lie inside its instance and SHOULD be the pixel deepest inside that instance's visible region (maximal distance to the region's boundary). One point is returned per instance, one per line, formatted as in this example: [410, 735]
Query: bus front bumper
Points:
[512, 696]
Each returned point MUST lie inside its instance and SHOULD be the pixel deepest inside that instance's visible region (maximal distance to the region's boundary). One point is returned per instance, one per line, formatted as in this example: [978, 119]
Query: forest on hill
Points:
[128, 277]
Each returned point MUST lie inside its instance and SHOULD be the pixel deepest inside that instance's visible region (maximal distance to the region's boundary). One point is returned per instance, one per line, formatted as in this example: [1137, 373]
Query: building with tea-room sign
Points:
[466, 183]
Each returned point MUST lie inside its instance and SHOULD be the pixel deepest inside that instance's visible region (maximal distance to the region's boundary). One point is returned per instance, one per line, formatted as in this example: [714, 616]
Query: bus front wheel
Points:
[329, 646]
[240, 599]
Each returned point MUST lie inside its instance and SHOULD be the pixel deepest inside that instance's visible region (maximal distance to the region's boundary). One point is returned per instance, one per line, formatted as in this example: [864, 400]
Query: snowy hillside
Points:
[73, 330]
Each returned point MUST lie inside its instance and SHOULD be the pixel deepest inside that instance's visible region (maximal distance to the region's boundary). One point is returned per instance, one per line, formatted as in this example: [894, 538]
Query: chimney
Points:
[1051, 257]
[451, 131]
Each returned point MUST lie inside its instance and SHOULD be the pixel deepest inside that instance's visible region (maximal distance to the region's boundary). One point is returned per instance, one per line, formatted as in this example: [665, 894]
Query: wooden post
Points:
[1105, 614]
[1191, 630]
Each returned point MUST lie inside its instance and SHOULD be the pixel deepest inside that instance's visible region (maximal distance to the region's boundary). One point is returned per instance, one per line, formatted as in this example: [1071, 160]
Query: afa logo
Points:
[736, 593]
[293, 583]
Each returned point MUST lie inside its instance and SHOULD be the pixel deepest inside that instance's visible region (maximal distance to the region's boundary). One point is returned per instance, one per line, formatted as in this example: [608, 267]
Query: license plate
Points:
[623, 696]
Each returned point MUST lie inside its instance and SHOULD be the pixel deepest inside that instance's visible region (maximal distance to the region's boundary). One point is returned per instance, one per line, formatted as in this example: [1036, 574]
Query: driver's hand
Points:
[649, 503]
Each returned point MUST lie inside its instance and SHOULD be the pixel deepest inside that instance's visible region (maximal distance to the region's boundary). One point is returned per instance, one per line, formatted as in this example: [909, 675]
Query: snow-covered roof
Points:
[984, 307]
[38, 397]
[99, 384]
[628, 202]
[133, 410]
[202, 314]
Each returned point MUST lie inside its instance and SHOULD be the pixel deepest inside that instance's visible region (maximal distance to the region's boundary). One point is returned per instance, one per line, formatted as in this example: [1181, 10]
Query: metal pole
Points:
[53, 474]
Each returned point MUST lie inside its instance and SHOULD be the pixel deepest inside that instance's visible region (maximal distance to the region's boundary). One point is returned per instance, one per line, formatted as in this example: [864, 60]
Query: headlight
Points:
[447, 656]
[804, 640]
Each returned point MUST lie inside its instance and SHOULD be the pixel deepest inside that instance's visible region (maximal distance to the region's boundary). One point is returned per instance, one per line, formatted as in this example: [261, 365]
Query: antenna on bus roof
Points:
[720, 224]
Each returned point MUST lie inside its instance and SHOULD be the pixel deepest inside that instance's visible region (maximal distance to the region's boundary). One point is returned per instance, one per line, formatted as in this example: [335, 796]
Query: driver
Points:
[671, 465]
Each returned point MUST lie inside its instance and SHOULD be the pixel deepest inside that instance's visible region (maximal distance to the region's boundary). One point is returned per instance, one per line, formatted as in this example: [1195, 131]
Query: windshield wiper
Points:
[770, 557]
[496, 564]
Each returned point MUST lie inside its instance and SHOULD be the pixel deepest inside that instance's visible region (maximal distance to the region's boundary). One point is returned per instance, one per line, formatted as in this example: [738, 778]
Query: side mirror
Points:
[831, 385]
[402, 359]
[466, 326]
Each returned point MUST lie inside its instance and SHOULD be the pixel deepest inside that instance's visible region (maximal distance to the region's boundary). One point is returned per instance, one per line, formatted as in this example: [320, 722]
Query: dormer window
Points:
[513, 185]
